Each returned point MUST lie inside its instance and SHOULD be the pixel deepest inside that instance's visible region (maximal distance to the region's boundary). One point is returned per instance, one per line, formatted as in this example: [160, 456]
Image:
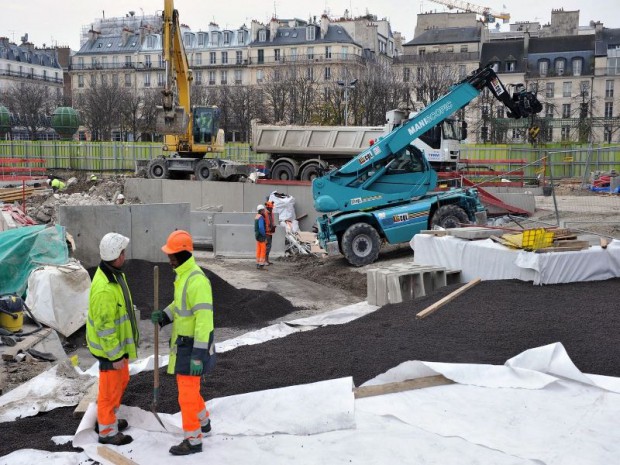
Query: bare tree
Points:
[302, 94]
[31, 105]
[131, 105]
[244, 105]
[100, 107]
[276, 91]
[148, 114]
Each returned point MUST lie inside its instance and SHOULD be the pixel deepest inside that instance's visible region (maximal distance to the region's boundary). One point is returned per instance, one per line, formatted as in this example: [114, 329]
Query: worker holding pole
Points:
[192, 351]
[112, 336]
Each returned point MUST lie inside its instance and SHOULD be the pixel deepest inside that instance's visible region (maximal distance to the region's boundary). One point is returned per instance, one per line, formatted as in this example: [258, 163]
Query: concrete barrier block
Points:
[201, 227]
[371, 286]
[147, 190]
[237, 241]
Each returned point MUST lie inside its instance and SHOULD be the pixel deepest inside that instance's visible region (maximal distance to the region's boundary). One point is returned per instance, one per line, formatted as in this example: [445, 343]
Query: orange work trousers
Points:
[261, 252]
[112, 385]
[192, 407]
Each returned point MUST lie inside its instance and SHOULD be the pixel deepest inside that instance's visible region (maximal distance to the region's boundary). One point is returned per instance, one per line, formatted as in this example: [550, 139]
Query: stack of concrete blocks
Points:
[404, 282]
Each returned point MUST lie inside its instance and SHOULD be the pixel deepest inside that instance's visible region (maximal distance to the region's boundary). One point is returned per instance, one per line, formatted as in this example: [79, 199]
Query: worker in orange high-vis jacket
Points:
[260, 234]
[270, 228]
[192, 347]
[112, 336]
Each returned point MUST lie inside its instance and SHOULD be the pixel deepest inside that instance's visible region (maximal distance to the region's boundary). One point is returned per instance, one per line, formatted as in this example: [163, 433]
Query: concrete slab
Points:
[227, 194]
[524, 201]
[472, 233]
[201, 227]
[147, 190]
[177, 191]
[237, 241]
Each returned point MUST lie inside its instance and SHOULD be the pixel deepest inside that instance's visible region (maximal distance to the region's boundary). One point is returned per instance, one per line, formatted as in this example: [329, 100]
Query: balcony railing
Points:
[34, 77]
[552, 73]
[436, 57]
[305, 59]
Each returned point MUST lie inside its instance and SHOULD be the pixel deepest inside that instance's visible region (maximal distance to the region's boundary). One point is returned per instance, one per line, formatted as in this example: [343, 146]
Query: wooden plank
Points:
[114, 456]
[401, 386]
[27, 343]
[571, 243]
[559, 249]
[435, 232]
[90, 396]
[432, 308]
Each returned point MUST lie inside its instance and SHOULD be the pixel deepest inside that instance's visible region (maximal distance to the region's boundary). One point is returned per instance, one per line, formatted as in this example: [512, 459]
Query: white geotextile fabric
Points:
[488, 260]
[536, 409]
[58, 296]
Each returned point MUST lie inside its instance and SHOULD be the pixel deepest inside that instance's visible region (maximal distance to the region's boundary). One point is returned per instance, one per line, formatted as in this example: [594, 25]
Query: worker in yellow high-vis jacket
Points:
[112, 336]
[192, 350]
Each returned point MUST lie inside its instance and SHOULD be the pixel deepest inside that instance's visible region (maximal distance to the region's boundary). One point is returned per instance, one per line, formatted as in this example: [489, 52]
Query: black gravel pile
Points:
[232, 307]
[489, 323]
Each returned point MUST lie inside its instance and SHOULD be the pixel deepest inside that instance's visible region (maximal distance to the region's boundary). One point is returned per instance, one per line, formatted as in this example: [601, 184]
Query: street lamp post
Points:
[346, 87]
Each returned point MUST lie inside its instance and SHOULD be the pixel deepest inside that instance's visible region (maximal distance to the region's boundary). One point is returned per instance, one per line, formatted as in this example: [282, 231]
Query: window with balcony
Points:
[328, 52]
[276, 75]
[224, 58]
[311, 33]
[421, 51]
[450, 49]
[406, 74]
[94, 63]
[212, 58]
[609, 88]
[147, 61]
[328, 73]
[261, 56]
[584, 88]
[345, 52]
[127, 61]
[293, 54]
[147, 79]
[550, 89]
[240, 37]
[93, 80]
[115, 80]
[607, 133]
[567, 89]
[81, 63]
[609, 109]
[260, 76]
[560, 66]
[198, 78]
[238, 77]
[565, 135]
[566, 110]
[543, 67]
[500, 112]
[420, 73]
[549, 110]
[276, 54]
[211, 78]
[160, 79]
[577, 66]
[223, 77]
[198, 59]
[239, 57]
[160, 60]
[202, 39]
[80, 80]
[310, 53]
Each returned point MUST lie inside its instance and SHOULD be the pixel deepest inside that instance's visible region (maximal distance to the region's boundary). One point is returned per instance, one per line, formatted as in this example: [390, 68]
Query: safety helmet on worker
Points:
[120, 197]
[112, 245]
[178, 241]
[260, 207]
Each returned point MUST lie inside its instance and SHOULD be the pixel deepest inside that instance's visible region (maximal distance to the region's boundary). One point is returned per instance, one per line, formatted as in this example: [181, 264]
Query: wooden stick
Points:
[114, 456]
[430, 309]
[90, 396]
[156, 338]
[400, 386]
[27, 343]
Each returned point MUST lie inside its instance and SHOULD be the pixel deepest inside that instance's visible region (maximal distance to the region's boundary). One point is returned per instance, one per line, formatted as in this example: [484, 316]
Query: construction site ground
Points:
[489, 324]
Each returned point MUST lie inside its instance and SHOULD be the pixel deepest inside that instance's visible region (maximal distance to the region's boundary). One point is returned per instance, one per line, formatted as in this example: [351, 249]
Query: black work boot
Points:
[121, 424]
[206, 427]
[185, 448]
[119, 439]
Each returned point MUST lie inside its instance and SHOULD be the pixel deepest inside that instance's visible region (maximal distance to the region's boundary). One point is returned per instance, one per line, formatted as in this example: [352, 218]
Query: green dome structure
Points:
[65, 121]
[5, 120]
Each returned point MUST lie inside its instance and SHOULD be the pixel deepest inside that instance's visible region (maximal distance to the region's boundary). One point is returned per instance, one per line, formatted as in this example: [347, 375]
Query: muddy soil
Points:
[490, 323]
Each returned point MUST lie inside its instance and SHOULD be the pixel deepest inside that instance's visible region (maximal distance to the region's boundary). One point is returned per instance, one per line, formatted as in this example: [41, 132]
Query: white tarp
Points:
[58, 296]
[490, 261]
[536, 409]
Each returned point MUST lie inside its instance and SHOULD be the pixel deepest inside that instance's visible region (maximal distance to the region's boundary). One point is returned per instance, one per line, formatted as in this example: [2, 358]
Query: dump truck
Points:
[304, 152]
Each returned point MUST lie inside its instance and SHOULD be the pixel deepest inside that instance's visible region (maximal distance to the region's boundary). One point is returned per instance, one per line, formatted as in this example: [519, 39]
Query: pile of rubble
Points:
[43, 205]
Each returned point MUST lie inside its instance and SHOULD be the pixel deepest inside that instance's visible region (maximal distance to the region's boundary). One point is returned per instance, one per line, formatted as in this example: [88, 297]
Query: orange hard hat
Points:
[178, 241]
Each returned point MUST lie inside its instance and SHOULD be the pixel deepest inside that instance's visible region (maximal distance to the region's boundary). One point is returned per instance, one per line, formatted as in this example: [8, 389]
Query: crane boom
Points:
[484, 11]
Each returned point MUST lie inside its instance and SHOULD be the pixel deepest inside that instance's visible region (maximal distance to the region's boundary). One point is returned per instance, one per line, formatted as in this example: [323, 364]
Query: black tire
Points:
[449, 216]
[310, 171]
[157, 169]
[283, 172]
[204, 171]
[360, 244]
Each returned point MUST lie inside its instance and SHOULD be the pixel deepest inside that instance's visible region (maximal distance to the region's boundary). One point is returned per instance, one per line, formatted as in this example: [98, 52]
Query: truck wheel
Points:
[449, 216]
[310, 172]
[283, 172]
[157, 169]
[360, 244]
[204, 171]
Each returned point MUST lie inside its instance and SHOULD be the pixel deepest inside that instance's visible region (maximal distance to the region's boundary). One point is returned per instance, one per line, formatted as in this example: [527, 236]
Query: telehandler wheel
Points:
[449, 216]
[204, 171]
[157, 169]
[360, 244]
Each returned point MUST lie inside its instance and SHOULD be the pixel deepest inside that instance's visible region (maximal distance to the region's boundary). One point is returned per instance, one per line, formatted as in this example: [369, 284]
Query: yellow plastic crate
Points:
[538, 238]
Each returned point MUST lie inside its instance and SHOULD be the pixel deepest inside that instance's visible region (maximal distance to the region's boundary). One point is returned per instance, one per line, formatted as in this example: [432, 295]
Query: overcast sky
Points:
[61, 21]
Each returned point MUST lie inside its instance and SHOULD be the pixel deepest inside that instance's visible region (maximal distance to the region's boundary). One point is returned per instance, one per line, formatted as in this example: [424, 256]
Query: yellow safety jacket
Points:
[57, 184]
[111, 328]
[191, 314]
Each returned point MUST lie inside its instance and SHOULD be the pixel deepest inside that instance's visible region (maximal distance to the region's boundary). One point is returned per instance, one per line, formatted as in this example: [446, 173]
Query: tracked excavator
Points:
[192, 134]
[386, 194]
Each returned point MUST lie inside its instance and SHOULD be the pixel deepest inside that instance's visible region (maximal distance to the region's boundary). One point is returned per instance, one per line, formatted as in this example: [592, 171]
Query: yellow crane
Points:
[488, 15]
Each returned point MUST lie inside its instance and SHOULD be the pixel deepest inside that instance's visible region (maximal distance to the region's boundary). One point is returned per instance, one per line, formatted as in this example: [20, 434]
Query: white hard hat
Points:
[48, 181]
[260, 207]
[120, 197]
[112, 245]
